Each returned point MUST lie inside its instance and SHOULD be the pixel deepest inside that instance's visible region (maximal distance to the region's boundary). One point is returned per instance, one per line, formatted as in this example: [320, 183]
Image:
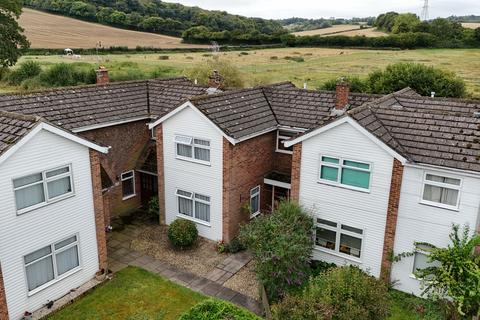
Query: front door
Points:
[149, 187]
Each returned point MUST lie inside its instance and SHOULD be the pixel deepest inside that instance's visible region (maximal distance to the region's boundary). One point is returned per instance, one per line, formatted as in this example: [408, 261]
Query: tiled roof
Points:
[77, 107]
[434, 131]
[244, 112]
[13, 127]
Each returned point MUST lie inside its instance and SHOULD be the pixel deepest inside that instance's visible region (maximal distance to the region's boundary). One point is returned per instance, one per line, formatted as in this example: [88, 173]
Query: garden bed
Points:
[199, 260]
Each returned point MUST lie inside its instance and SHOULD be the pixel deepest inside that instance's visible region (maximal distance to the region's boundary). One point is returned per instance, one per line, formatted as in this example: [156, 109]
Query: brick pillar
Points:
[161, 174]
[99, 213]
[227, 176]
[392, 215]
[296, 163]
[3, 298]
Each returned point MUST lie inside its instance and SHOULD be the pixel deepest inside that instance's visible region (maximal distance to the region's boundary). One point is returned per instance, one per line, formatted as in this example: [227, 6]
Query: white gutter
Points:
[466, 173]
[109, 124]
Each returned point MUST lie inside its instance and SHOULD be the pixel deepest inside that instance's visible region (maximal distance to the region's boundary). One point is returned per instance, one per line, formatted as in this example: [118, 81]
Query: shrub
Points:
[63, 74]
[153, 207]
[27, 70]
[217, 310]
[356, 84]
[281, 244]
[423, 79]
[342, 293]
[31, 84]
[182, 233]
[231, 74]
[234, 246]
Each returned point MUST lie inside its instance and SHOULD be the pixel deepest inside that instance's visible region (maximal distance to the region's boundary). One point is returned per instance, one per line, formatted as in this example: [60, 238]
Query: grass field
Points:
[51, 31]
[320, 64]
[471, 25]
[342, 30]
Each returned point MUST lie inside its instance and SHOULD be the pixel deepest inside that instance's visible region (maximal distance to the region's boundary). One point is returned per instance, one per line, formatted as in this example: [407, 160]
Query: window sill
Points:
[439, 205]
[204, 223]
[338, 185]
[338, 254]
[205, 163]
[44, 204]
[51, 283]
[254, 215]
[129, 197]
[283, 151]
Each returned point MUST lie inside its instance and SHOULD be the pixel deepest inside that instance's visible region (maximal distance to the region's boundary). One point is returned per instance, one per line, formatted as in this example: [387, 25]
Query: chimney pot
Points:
[341, 94]
[432, 94]
[102, 75]
[216, 80]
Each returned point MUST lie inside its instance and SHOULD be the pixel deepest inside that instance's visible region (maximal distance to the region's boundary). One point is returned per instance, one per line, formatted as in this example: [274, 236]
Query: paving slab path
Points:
[121, 256]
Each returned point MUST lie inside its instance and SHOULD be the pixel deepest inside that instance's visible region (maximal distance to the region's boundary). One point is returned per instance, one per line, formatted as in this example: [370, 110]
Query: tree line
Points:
[192, 23]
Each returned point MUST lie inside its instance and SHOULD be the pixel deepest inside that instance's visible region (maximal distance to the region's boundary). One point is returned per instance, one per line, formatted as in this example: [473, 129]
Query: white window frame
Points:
[194, 199]
[442, 185]
[419, 251]
[338, 232]
[193, 145]
[133, 182]
[53, 253]
[283, 138]
[45, 181]
[340, 167]
[253, 193]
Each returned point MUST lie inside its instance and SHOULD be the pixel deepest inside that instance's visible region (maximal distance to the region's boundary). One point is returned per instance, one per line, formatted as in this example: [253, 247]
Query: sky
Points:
[277, 9]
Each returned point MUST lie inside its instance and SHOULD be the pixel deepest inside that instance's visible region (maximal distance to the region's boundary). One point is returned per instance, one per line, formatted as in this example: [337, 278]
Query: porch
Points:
[277, 188]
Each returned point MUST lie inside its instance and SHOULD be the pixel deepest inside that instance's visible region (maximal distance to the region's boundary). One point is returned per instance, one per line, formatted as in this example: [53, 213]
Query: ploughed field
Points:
[270, 65]
[46, 30]
[343, 30]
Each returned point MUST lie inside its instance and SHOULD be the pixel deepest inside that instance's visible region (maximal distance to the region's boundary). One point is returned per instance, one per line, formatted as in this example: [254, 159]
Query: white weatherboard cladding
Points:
[21, 235]
[190, 176]
[422, 223]
[364, 210]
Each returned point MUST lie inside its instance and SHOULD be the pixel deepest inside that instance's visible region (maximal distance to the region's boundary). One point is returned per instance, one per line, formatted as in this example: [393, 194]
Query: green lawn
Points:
[133, 294]
[409, 307]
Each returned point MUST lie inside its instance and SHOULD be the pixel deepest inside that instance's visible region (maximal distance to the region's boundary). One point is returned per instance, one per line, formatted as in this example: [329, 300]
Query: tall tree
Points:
[12, 41]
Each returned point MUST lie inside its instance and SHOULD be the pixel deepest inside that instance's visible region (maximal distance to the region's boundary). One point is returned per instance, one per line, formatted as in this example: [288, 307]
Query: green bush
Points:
[217, 310]
[234, 246]
[356, 84]
[343, 293]
[230, 72]
[27, 70]
[281, 244]
[33, 84]
[182, 233]
[153, 207]
[63, 74]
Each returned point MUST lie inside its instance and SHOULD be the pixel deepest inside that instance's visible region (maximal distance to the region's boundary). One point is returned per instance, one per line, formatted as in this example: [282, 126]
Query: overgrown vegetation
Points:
[217, 310]
[423, 79]
[342, 293]
[182, 233]
[231, 74]
[193, 23]
[281, 244]
[455, 275]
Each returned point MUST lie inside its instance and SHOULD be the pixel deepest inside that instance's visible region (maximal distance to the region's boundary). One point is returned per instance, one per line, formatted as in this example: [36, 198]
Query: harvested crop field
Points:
[471, 25]
[342, 30]
[46, 30]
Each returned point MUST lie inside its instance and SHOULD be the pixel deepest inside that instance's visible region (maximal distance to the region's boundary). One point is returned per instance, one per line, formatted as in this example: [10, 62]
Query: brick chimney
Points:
[341, 94]
[216, 80]
[102, 75]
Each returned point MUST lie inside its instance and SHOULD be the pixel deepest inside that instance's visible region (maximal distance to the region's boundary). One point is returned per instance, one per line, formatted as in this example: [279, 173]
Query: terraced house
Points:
[378, 173]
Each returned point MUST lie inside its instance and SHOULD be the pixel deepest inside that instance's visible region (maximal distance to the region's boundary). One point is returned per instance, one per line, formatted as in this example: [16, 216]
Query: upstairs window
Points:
[339, 237]
[193, 205]
[283, 136]
[345, 172]
[192, 149]
[128, 184]
[441, 191]
[255, 202]
[40, 188]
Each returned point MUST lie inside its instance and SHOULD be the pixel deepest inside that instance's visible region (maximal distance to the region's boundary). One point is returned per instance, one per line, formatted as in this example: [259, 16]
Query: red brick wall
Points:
[98, 207]
[3, 299]
[160, 172]
[128, 142]
[244, 166]
[282, 162]
[296, 162]
[392, 215]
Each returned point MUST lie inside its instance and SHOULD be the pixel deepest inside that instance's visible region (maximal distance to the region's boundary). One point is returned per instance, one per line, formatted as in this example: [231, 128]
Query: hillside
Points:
[51, 31]
[165, 18]
[342, 30]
